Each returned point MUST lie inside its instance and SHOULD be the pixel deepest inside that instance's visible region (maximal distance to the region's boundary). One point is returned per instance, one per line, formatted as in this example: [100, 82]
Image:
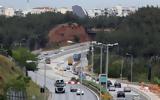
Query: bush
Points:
[157, 80]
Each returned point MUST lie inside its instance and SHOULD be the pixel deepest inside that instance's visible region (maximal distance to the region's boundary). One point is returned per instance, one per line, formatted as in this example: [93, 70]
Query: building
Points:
[121, 11]
[95, 12]
[77, 10]
[19, 13]
[2, 9]
[39, 10]
[9, 12]
[63, 10]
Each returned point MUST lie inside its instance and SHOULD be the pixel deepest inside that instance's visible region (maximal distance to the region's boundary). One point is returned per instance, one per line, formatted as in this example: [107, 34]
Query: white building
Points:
[39, 10]
[63, 10]
[121, 11]
[9, 12]
[95, 12]
[2, 10]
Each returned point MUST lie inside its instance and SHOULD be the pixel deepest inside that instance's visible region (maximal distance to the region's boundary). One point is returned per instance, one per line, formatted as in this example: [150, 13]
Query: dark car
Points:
[117, 84]
[120, 94]
[127, 89]
[109, 83]
[72, 89]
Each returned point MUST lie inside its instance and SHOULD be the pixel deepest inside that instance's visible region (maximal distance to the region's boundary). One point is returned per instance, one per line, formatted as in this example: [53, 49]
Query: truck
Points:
[59, 86]
[77, 57]
[70, 61]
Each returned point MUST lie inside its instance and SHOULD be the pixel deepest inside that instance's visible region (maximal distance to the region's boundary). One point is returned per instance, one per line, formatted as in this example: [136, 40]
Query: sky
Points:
[87, 4]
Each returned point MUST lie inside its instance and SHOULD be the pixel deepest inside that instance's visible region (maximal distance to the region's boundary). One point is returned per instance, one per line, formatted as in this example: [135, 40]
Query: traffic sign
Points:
[103, 78]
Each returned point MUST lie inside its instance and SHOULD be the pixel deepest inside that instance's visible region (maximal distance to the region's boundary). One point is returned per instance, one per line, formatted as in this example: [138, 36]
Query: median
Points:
[96, 88]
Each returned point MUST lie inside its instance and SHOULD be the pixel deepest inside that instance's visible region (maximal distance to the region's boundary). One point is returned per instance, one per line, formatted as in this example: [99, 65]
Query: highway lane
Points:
[129, 95]
[39, 79]
[53, 74]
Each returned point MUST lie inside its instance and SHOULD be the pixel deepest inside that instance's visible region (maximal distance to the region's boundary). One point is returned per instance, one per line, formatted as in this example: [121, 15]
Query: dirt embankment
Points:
[68, 32]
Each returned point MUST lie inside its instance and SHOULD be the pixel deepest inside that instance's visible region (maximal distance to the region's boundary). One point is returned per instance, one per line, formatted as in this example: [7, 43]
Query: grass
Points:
[104, 94]
[34, 90]
[9, 72]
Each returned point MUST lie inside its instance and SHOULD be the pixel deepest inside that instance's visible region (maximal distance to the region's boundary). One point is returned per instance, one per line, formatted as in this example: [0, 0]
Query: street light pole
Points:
[107, 60]
[45, 95]
[101, 59]
[92, 50]
[131, 68]
[131, 65]
[122, 63]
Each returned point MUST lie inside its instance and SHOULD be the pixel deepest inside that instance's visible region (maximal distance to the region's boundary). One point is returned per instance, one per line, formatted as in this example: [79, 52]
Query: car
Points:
[127, 89]
[111, 88]
[109, 83]
[72, 89]
[117, 84]
[80, 92]
[120, 94]
[60, 86]
[75, 73]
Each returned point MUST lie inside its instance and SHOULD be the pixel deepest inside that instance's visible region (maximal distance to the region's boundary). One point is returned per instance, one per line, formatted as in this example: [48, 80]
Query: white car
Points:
[80, 92]
[111, 88]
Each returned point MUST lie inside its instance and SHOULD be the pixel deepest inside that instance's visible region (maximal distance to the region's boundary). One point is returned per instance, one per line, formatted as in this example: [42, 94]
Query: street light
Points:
[131, 64]
[31, 61]
[107, 59]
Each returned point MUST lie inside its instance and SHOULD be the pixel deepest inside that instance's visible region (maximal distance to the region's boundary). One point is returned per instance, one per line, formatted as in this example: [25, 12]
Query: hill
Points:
[12, 76]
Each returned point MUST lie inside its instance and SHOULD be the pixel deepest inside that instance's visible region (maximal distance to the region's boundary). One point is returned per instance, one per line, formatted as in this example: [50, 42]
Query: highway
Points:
[58, 61]
[39, 79]
[52, 72]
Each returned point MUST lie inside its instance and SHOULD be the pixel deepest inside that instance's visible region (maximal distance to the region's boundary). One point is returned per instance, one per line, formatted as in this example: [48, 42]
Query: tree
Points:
[21, 55]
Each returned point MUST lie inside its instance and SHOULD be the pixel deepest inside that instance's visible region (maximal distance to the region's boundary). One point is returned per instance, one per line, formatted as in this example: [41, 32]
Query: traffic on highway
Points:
[60, 69]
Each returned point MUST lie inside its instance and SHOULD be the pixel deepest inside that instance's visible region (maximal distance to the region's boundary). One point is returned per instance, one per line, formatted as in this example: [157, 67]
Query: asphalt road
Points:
[52, 74]
[39, 79]
[59, 60]
[128, 95]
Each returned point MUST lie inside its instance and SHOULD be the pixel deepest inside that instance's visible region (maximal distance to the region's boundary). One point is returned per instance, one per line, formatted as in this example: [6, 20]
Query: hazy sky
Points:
[87, 4]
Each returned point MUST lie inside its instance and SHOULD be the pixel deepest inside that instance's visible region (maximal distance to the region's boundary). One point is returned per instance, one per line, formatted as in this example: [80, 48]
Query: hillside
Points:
[12, 76]
[8, 71]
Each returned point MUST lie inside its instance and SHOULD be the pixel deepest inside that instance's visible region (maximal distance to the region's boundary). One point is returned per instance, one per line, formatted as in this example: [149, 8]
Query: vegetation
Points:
[104, 94]
[137, 34]
[12, 77]
[21, 55]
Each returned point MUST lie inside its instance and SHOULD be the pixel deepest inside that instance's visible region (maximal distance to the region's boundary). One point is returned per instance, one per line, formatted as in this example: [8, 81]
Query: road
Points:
[52, 74]
[128, 95]
[39, 79]
[59, 59]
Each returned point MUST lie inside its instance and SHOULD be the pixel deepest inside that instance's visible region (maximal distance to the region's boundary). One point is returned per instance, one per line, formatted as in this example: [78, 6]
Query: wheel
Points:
[55, 91]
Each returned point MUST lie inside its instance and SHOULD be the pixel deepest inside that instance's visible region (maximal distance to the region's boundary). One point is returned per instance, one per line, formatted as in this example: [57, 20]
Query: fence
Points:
[16, 94]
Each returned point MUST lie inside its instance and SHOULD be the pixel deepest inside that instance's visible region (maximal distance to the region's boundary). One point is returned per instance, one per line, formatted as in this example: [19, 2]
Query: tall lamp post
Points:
[107, 58]
[131, 65]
